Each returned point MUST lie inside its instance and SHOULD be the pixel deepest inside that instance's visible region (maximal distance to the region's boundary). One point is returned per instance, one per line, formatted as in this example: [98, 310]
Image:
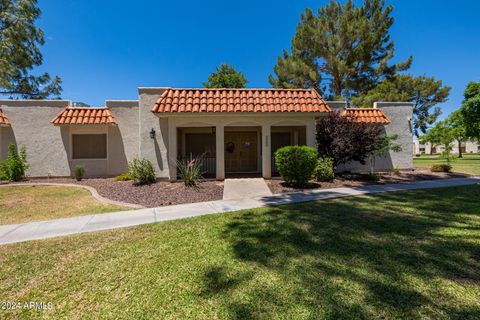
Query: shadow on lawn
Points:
[353, 258]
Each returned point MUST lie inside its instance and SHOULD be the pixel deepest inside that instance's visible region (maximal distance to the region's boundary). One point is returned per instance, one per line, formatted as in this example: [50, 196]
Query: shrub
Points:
[141, 171]
[190, 172]
[418, 155]
[441, 167]
[373, 177]
[123, 177]
[396, 170]
[344, 140]
[324, 171]
[296, 164]
[79, 172]
[15, 166]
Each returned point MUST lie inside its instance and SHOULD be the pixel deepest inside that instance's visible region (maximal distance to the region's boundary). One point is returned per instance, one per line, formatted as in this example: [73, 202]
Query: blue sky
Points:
[106, 49]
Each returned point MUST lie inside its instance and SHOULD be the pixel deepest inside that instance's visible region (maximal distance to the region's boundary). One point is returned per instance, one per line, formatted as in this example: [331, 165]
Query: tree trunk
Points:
[460, 149]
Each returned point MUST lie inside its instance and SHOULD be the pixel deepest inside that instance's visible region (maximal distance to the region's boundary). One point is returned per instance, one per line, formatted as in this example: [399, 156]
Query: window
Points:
[89, 146]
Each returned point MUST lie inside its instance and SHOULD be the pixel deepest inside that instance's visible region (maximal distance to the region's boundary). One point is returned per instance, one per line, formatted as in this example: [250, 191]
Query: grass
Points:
[470, 163]
[404, 255]
[30, 203]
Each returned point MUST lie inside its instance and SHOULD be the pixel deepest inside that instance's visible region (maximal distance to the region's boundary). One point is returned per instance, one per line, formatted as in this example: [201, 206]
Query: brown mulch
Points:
[277, 185]
[160, 193]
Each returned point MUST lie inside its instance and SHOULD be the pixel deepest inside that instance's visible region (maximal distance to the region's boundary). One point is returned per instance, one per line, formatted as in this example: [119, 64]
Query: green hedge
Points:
[296, 164]
[324, 171]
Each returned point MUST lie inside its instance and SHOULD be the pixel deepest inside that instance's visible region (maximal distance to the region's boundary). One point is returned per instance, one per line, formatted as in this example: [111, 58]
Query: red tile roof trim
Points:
[367, 115]
[4, 122]
[239, 100]
[84, 116]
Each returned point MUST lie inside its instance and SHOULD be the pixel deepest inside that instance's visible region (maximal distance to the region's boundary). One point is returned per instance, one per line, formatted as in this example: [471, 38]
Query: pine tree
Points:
[348, 49]
[19, 53]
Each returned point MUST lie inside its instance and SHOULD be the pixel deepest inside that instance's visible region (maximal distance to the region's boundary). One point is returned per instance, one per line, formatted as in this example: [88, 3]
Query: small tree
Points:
[443, 134]
[385, 144]
[458, 130]
[226, 77]
[343, 140]
[471, 110]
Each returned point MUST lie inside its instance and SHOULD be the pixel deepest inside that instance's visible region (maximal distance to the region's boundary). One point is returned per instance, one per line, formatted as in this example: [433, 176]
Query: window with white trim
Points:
[89, 146]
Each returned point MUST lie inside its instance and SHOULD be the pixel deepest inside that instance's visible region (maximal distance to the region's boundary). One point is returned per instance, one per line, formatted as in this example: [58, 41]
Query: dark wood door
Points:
[240, 151]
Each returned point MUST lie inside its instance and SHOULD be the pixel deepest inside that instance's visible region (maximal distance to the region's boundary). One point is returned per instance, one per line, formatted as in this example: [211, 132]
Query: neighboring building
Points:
[237, 130]
[466, 147]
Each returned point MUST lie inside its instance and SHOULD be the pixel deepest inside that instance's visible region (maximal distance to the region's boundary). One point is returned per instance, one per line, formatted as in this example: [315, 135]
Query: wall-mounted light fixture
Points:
[214, 130]
[152, 133]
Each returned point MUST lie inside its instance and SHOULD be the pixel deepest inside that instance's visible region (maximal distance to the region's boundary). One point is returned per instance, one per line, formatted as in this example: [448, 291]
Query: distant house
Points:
[236, 130]
[466, 147]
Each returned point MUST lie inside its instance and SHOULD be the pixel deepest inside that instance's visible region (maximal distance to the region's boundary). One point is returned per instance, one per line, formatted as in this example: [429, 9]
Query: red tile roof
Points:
[3, 119]
[368, 115]
[76, 115]
[240, 100]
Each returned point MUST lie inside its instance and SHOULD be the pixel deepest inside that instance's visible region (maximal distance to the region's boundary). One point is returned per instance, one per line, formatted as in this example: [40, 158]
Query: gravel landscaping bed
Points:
[160, 193]
[277, 185]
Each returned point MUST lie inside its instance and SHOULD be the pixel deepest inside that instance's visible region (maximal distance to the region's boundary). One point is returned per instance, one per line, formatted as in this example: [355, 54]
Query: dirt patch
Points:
[160, 193]
[277, 185]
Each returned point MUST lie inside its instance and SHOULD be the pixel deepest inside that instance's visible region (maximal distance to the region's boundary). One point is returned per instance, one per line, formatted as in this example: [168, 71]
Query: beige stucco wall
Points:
[49, 147]
[31, 127]
[400, 115]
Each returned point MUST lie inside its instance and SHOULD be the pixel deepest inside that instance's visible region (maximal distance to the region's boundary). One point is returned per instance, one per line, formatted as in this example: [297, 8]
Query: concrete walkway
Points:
[245, 188]
[67, 226]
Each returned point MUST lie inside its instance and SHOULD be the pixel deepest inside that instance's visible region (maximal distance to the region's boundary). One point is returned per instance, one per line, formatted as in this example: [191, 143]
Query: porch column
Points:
[220, 151]
[266, 152]
[172, 149]
[310, 134]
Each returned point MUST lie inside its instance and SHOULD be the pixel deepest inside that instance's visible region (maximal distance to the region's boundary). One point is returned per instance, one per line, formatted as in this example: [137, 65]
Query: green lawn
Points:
[470, 163]
[29, 203]
[404, 255]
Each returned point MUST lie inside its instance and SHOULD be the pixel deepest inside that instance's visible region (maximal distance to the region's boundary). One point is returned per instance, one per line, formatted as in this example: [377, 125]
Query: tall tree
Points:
[226, 77]
[471, 110]
[458, 130]
[20, 54]
[423, 92]
[348, 49]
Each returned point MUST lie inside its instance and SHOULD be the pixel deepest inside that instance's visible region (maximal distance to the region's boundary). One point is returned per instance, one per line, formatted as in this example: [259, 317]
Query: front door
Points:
[240, 151]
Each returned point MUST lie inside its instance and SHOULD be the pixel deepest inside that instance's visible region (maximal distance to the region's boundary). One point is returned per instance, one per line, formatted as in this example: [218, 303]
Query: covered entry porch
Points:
[235, 148]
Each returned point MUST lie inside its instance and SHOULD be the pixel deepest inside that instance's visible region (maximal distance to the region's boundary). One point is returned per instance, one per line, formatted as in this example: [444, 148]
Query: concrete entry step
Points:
[245, 188]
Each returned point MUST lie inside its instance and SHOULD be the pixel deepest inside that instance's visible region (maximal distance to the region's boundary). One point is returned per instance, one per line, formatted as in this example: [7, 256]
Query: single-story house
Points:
[465, 147]
[236, 130]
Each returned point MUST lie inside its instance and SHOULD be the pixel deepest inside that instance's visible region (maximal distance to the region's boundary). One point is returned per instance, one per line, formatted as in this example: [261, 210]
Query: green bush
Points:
[123, 177]
[15, 166]
[141, 171]
[441, 167]
[324, 171]
[373, 177]
[79, 172]
[296, 164]
[190, 172]
[396, 170]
